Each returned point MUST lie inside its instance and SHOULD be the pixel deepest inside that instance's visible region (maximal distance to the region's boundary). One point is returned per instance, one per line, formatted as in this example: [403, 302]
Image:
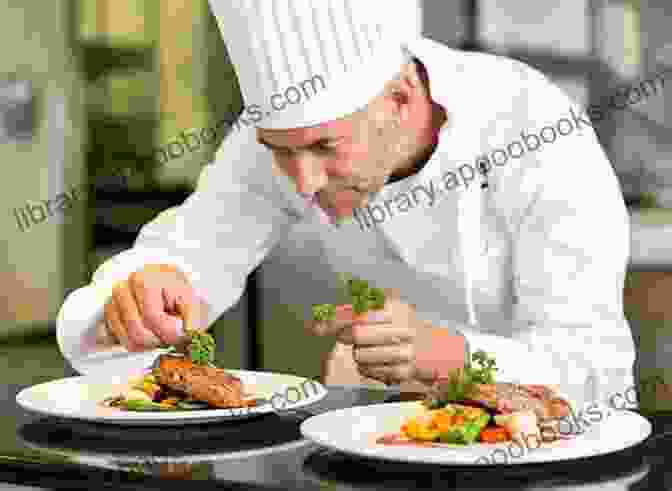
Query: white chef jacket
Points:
[530, 268]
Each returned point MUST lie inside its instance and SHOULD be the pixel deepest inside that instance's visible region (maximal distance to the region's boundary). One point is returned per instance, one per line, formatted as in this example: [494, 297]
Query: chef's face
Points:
[342, 161]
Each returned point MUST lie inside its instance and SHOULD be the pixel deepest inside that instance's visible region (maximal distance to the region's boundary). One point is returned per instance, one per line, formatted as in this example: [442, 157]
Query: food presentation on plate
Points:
[469, 407]
[185, 381]
[183, 386]
[178, 384]
[470, 418]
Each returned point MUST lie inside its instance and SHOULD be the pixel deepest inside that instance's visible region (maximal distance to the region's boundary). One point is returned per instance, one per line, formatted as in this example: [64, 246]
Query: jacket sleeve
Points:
[569, 230]
[239, 210]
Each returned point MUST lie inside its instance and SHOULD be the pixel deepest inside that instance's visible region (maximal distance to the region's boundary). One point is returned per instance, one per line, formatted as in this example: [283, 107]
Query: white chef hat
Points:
[305, 62]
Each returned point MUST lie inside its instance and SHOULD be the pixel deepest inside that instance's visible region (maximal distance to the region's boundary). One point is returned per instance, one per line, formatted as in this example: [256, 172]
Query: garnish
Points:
[361, 296]
[462, 383]
[201, 348]
[324, 312]
[484, 373]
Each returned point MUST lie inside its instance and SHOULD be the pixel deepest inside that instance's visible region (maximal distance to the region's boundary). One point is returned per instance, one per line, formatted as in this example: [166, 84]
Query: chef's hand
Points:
[384, 341]
[144, 311]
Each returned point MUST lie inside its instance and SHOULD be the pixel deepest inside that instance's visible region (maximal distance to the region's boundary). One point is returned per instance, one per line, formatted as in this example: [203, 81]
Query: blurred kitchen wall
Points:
[167, 76]
[41, 94]
[90, 91]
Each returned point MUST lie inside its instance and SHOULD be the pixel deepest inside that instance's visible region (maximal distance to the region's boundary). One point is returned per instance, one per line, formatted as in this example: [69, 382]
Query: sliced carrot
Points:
[495, 434]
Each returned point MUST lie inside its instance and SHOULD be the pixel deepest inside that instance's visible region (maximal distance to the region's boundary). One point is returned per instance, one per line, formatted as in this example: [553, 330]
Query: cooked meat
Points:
[202, 383]
[507, 398]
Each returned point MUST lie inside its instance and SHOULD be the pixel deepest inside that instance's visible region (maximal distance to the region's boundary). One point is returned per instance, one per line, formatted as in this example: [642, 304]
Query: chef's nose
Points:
[308, 172]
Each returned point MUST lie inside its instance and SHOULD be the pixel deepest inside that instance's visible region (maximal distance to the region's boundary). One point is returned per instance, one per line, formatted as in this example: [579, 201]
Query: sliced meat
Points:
[508, 398]
[202, 383]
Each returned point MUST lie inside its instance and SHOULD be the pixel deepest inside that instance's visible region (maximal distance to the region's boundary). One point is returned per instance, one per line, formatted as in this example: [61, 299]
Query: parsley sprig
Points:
[462, 383]
[202, 347]
[361, 296]
[324, 312]
[484, 373]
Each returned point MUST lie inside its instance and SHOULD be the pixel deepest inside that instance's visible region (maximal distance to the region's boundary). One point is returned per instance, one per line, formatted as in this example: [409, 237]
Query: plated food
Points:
[183, 386]
[356, 431]
[179, 384]
[470, 407]
[184, 381]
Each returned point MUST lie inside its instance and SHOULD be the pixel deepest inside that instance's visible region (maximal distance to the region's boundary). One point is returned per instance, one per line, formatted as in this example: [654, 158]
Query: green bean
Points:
[140, 405]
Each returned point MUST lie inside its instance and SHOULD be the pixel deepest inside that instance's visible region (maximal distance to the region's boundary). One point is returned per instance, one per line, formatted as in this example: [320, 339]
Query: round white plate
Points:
[80, 397]
[355, 431]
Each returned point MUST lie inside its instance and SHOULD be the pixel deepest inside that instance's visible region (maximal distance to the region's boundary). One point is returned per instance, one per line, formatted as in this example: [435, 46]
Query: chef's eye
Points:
[284, 152]
[326, 146]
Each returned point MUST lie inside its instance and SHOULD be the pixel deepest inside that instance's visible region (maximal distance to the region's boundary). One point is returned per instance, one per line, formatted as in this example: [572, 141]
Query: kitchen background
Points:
[92, 90]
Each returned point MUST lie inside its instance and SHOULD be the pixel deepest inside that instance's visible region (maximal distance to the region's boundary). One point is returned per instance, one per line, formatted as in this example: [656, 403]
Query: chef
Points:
[467, 185]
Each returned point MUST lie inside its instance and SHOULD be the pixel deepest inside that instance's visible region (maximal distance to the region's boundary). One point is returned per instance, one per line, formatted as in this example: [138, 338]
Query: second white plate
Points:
[355, 431]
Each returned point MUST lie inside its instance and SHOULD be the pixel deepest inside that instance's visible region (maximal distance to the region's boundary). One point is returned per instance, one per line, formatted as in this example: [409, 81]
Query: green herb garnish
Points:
[484, 373]
[324, 312]
[201, 348]
[362, 298]
[376, 298]
[462, 384]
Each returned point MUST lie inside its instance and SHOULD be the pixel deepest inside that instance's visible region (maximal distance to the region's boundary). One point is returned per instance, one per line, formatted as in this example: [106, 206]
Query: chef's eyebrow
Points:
[315, 144]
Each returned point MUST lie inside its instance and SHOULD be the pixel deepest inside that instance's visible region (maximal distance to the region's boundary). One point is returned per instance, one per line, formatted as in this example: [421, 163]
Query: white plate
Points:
[355, 430]
[79, 398]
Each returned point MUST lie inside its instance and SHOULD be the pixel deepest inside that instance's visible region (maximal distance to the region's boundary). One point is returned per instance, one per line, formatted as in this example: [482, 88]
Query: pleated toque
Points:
[308, 62]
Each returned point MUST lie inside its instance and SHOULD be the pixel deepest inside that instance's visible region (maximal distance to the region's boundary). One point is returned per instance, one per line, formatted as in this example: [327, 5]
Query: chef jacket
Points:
[525, 257]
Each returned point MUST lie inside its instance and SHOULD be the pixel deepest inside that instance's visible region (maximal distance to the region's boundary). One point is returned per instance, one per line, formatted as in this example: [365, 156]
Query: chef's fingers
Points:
[344, 319]
[114, 324]
[383, 355]
[388, 374]
[379, 316]
[377, 335]
[156, 309]
[104, 336]
[139, 336]
[392, 294]
[185, 310]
